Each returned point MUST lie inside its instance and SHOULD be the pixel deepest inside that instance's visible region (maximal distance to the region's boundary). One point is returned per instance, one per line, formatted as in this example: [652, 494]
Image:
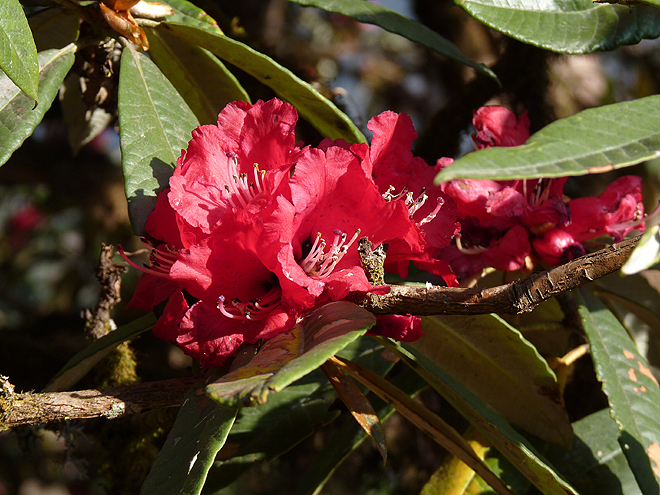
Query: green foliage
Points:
[155, 125]
[291, 355]
[19, 115]
[493, 375]
[18, 53]
[593, 141]
[495, 362]
[199, 432]
[579, 26]
[631, 388]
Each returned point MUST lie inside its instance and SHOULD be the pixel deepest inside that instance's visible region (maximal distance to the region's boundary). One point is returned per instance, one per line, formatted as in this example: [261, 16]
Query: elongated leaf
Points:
[631, 389]
[646, 253]
[578, 26]
[200, 78]
[54, 28]
[318, 110]
[494, 361]
[291, 355]
[372, 13]
[155, 124]
[595, 464]
[193, 14]
[516, 448]
[18, 114]
[455, 478]
[425, 420]
[358, 405]
[80, 364]
[592, 141]
[200, 430]
[18, 53]
[262, 433]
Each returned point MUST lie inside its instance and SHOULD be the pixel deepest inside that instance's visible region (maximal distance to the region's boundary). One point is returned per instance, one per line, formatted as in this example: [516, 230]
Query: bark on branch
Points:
[516, 297]
[34, 409]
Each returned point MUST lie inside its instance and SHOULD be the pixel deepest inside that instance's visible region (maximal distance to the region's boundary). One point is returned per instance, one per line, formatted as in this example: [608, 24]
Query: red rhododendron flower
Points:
[498, 126]
[502, 221]
[254, 230]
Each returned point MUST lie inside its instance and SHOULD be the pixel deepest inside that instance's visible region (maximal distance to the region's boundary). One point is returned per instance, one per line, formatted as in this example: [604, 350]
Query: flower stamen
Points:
[161, 259]
[241, 190]
[253, 310]
[320, 264]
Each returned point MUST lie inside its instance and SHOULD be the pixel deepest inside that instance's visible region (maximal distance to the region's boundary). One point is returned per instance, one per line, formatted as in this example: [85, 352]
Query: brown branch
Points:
[516, 297]
[34, 409]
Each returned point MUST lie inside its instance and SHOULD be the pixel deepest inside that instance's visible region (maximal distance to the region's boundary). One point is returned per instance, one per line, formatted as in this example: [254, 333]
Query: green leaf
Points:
[494, 361]
[318, 110]
[291, 355]
[155, 124]
[578, 26]
[54, 28]
[595, 464]
[200, 78]
[199, 432]
[513, 446]
[646, 253]
[592, 141]
[80, 364]
[194, 15]
[262, 433]
[18, 114]
[18, 53]
[631, 389]
[372, 13]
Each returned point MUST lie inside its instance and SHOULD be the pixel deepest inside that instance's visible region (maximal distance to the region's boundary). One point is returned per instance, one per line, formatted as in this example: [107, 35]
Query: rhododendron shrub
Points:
[508, 225]
[255, 229]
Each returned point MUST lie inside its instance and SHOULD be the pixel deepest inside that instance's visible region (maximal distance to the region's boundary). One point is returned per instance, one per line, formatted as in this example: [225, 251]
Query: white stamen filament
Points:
[253, 310]
[240, 190]
[472, 250]
[320, 264]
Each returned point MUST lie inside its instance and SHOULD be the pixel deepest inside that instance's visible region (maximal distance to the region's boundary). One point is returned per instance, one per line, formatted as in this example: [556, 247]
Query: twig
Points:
[99, 322]
[34, 409]
[516, 297]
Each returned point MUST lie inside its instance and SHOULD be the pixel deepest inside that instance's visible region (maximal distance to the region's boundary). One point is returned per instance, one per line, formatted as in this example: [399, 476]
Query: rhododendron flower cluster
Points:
[504, 223]
[254, 229]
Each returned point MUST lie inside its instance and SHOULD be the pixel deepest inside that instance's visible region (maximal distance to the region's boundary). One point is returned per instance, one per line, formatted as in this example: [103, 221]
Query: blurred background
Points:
[59, 205]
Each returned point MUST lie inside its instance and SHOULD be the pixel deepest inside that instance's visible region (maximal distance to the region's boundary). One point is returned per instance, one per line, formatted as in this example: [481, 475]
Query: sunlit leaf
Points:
[200, 78]
[631, 389]
[199, 432]
[592, 141]
[18, 114]
[155, 124]
[80, 364]
[513, 446]
[455, 478]
[291, 355]
[18, 53]
[495, 362]
[373, 13]
[578, 26]
[194, 15]
[314, 107]
[646, 253]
